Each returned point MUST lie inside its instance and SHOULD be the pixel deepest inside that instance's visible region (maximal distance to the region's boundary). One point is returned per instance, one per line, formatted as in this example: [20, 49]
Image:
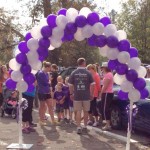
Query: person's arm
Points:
[62, 100]
[71, 86]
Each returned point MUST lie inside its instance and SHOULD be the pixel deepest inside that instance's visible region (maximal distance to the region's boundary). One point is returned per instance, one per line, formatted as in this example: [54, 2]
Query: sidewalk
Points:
[62, 137]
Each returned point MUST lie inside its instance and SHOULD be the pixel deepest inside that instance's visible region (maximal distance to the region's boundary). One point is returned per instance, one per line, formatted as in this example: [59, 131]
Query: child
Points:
[59, 97]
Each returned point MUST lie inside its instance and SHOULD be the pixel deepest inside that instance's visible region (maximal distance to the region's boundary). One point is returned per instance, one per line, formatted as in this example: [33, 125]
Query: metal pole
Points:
[20, 118]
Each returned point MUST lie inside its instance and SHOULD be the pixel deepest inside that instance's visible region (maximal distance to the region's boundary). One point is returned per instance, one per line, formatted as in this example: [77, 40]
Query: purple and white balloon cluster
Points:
[84, 24]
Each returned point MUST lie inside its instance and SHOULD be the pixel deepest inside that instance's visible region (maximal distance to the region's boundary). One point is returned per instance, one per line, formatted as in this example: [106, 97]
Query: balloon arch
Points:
[84, 24]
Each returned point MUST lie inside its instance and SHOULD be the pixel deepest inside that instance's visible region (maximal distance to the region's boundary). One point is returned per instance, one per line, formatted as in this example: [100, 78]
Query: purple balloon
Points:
[93, 18]
[101, 41]
[112, 41]
[112, 64]
[144, 93]
[124, 45]
[31, 88]
[105, 21]
[10, 84]
[25, 69]
[23, 47]
[121, 69]
[10, 71]
[80, 21]
[131, 75]
[28, 36]
[29, 78]
[21, 58]
[92, 40]
[139, 84]
[44, 42]
[122, 95]
[62, 11]
[46, 31]
[70, 28]
[51, 20]
[133, 52]
[43, 53]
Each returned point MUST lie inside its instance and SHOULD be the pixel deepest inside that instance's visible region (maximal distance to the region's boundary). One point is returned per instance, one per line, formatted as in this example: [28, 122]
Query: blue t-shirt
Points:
[58, 95]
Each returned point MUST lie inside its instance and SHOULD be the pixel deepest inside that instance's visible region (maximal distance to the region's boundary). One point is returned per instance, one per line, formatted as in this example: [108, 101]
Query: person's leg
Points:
[36, 99]
[86, 108]
[42, 110]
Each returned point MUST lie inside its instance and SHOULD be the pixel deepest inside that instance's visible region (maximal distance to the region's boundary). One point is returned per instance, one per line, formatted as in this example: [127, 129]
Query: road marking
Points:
[116, 136]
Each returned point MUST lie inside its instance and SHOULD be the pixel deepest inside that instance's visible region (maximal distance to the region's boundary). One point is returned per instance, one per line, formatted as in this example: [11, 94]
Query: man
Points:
[81, 91]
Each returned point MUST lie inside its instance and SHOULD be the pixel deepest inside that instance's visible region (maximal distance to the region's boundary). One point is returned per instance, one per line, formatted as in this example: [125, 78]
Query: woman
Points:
[44, 93]
[106, 95]
[93, 107]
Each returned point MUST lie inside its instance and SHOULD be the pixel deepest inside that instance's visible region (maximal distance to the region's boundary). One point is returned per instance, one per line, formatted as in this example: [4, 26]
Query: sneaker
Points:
[33, 124]
[42, 123]
[95, 124]
[31, 129]
[79, 130]
[55, 123]
[89, 123]
[84, 129]
[25, 131]
[107, 128]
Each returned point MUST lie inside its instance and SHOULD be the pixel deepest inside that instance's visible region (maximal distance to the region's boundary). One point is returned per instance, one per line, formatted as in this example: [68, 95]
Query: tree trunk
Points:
[47, 10]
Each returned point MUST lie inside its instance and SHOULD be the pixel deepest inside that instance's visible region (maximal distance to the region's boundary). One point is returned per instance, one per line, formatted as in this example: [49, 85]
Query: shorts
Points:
[44, 97]
[81, 105]
[71, 109]
[59, 109]
[93, 107]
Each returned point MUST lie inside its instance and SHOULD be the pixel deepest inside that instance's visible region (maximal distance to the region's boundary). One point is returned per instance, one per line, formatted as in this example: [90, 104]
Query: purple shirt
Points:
[58, 95]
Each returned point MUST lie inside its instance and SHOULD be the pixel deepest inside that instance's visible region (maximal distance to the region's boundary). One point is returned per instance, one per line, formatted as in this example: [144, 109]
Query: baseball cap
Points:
[104, 64]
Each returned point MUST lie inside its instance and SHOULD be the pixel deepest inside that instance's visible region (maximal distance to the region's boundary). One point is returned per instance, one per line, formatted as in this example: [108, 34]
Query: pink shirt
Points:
[109, 76]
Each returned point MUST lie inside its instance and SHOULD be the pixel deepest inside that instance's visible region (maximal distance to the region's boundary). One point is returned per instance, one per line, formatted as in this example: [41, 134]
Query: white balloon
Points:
[85, 11]
[36, 65]
[57, 33]
[141, 72]
[22, 86]
[71, 14]
[36, 32]
[33, 44]
[51, 48]
[61, 21]
[119, 79]
[32, 57]
[134, 63]
[98, 28]
[55, 42]
[14, 65]
[110, 30]
[134, 95]
[17, 51]
[87, 31]
[126, 86]
[78, 35]
[123, 57]
[43, 22]
[34, 71]
[112, 53]
[16, 76]
[121, 35]
[103, 51]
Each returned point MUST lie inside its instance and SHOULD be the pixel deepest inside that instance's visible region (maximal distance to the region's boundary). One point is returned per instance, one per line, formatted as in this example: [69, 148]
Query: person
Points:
[80, 83]
[44, 93]
[54, 75]
[93, 107]
[106, 95]
[59, 97]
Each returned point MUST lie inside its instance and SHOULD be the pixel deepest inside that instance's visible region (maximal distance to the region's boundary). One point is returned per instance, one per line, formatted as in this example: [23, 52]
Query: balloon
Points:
[105, 21]
[122, 95]
[98, 28]
[85, 11]
[30, 57]
[67, 37]
[131, 75]
[103, 51]
[34, 71]
[22, 86]
[112, 64]
[110, 30]
[14, 65]
[10, 84]
[134, 95]
[123, 57]
[112, 53]
[23, 47]
[78, 35]
[139, 84]
[133, 52]
[51, 48]
[36, 32]
[43, 53]
[43, 22]
[30, 88]
[28, 36]
[141, 72]
[21, 58]
[16, 76]
[57, 33]
[126, 86]
[32, 44]
[56, 42]
[29, 78]
[46, 31]
[144, 93]
[71, 14]
[51, 20]
[101, 41]
[119, 79]
[120, 34]
[121, 69]
[71, 28]
[87, 31]
[61, 21]
[112, 41]
[92, 40]
[62, 11]
[134, 63]
[25, 69]
[92, 18]
[43, 42]
[124, 45]
[80, 21]
[36, 65]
